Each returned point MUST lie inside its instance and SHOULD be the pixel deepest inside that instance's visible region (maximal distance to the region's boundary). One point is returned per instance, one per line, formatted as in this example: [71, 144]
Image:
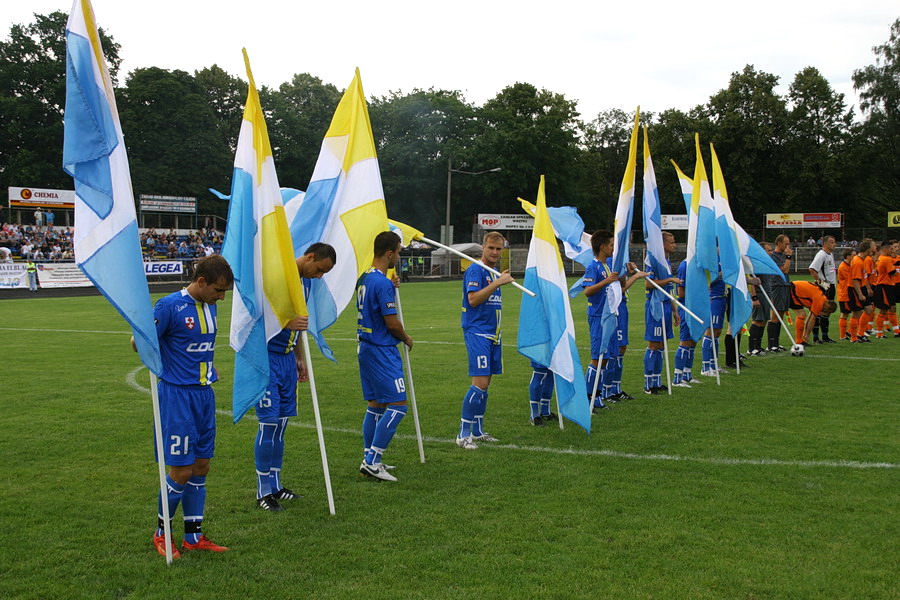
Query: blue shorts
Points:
[538, 366]
[717, 307]
[485, 356]
[653, 330]
[685, 327]
[622, 329]
[381, 373]
[596, 330]
[281, 393]
[188, 416]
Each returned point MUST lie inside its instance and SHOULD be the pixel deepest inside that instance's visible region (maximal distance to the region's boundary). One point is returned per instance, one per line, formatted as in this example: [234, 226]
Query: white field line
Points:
[131, 380]
[224, 333]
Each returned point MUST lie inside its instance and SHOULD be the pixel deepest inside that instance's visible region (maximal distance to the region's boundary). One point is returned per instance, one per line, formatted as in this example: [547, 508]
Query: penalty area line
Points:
[131, 381]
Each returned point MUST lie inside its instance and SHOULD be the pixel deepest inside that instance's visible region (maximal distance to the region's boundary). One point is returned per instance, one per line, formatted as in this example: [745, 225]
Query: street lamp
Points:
[448, 241]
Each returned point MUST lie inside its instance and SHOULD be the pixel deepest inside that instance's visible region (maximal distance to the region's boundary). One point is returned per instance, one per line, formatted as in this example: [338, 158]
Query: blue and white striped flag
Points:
[655, 261]
[107, 244]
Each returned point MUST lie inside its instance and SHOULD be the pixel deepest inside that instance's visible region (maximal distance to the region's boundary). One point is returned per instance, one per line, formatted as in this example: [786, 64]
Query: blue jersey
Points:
[286, 339]
[717, 286]
[482, 320]
[187, 338]
[595, 273]
[669, 287]
[375, 299]
[681, 273]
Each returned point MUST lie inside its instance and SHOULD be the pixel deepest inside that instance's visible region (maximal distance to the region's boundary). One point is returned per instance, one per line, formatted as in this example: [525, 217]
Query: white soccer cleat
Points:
[683, 384]
[377, 471]
[466, 443]
[485, 437]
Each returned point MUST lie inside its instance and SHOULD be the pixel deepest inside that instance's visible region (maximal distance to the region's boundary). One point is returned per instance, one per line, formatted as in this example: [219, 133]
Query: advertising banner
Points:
[61, 275]
[674, 222]
[12, 275]
[184, 204]
[35, 197]
[164, 267]
[783, 220]
[818, 220]
[894, 218]
[505, 222]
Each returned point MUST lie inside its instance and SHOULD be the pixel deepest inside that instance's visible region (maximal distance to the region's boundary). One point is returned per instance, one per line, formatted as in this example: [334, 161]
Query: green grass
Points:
[746, 490]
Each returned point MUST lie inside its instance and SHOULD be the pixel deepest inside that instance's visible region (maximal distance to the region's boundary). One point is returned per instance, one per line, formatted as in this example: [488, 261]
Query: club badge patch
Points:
[189, 321]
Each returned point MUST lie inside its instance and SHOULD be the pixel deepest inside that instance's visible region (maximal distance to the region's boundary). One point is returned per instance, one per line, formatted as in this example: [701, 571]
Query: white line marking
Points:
[131, 380]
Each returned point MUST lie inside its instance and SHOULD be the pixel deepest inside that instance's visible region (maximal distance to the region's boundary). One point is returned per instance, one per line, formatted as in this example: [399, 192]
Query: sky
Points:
[656, 54]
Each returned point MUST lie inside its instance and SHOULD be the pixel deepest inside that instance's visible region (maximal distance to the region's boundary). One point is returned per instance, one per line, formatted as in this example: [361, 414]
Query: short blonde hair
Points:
[493, 236]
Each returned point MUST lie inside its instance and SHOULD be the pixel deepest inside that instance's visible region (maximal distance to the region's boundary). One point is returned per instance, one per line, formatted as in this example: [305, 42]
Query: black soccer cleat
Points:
[286, 494]
[268, 502]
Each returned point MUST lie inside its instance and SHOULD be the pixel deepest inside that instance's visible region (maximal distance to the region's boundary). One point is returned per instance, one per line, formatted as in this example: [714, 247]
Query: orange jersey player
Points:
[805, 294]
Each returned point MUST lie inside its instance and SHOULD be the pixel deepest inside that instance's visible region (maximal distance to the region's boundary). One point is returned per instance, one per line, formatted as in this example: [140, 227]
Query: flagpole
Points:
[161, 463]
[318, 418]
[558, 409]
[596, 379]
[412, 388]
[712, 336]
[666, 351]
[478, 262]
[674, 299]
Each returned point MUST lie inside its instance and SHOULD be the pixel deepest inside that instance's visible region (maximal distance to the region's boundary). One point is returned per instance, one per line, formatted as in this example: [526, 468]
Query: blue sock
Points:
[606, 381]
[648, 369]
[368, 427]
[262, 452]
[467, 418]
[480, 409]
[546, 393]
[534, 391]
[657, 367]
[174, 494]
[706, 351]
[689, 364]
[617, 374]
[278, 455]
[192, 505]
[679, 363]
[384, 432]
[589, 379]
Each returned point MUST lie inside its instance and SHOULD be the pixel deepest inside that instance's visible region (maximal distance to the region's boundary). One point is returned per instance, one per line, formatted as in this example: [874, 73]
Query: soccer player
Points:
[597, 276]
[884, 291]
[710, 348]
[612, 376]
[805, 294]
[761, 311]
[779, 290]
[379, 330]
[823, 272]
[869, 267]
[843, 293]
[481, 305]
[653, 328]
[286, 367]
[684, 355]
[186, 326]
[540, 392]
[861, 295]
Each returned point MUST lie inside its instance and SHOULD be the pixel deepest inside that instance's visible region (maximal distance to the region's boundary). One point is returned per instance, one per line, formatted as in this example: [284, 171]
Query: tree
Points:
[877, 151]
[175, 146]
[226, 95]
[33, 98]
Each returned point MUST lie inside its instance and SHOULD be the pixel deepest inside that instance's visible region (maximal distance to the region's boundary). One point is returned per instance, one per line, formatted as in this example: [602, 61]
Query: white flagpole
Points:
[674, 299]
[596, 379]
[666, 351]
[161, 463]
[477, 262]
[412, 389]
[319, 433]
[712, 335]
[777, 314]
[558, 411]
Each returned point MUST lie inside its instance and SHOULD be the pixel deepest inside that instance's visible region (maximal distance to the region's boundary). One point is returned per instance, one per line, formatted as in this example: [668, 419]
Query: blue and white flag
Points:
[546, 328]
[702, 259]
[656, 262]
[343, 206]
[569, 228]
[258, 247]
[106, 239]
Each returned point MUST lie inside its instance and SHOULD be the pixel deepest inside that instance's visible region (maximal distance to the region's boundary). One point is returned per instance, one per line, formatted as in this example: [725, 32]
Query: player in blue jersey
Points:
[612, 377]
[186, 326]
[379, 330]
[653, 328]
[286, 367]
[540, 391]
[684, 355]
[710, 347]
[596, 277]
[481, 304]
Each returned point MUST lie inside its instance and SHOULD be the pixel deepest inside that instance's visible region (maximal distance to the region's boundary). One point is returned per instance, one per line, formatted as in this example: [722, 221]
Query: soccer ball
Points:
[796, 350]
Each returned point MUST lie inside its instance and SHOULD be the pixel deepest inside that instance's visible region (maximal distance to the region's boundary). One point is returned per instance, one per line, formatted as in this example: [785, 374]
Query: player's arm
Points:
[593, 289]
[395, 327]
[634, 275]
[302, 373]
[298, 323]
[481, 296]
[660, 282]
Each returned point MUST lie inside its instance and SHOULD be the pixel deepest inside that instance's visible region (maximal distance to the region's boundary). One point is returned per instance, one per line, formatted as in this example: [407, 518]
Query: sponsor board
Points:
[61, 275]
[803, 220]
[13, 275]
[894, 218]
[35, 197]
[184, 204]
[674, 221]
[505, 222]
[164, 267]
[817, 220]
[782, 220]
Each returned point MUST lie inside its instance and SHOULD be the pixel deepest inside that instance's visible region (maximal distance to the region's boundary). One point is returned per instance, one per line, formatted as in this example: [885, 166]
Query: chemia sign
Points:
[894, 219]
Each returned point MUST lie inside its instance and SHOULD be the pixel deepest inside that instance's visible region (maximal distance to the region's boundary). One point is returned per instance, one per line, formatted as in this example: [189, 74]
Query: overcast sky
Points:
[659, 54]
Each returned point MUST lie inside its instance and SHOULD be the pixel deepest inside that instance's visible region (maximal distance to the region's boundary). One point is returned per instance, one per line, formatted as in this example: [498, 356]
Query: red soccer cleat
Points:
[204, 544]
[159, 541]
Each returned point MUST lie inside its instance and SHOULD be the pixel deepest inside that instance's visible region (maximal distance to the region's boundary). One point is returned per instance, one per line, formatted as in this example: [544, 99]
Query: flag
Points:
[701, 248]
[268, 292]
[406, 232]
[546, 328]
[729, 249]
[344, 206]
[568, 227]
[621, 233]
[107, 243]
[655, 261]
[760, 260]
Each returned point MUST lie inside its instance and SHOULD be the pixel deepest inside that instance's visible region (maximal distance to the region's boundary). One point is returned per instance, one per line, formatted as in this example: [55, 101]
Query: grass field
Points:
[780, 483]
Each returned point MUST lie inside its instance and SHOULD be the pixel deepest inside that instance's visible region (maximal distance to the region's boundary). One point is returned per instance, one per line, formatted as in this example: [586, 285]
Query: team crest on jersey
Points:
[189, 321]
